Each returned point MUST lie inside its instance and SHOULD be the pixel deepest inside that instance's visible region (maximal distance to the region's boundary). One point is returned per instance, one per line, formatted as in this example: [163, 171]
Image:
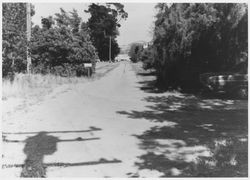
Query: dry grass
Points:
[25, 85]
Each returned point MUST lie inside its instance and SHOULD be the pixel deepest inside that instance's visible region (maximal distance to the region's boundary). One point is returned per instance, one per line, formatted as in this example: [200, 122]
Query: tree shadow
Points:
[149, 82]
[147, 73]
[198, 137]
[149, 86]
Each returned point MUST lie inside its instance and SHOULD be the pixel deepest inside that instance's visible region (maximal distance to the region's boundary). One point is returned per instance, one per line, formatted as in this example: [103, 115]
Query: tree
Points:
[147, 57]
[14, 39]
[62, 45]
[135, 51]
[190, 39]
[103, 24]
[47, 22]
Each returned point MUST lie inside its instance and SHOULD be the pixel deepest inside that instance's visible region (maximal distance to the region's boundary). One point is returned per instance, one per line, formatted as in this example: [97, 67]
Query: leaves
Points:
[14, 37]
[135, 51]
[61, 46]
[194, 38]
[103, 23]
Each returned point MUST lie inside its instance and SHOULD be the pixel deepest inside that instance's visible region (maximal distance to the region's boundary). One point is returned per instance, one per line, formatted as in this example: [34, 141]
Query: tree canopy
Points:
[14, 37]
[103, 23]
[135, 51]
[193, 38]
[62, 45]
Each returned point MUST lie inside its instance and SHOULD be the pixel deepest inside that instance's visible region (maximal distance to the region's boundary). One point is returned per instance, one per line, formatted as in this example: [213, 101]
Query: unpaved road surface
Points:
[115, 126]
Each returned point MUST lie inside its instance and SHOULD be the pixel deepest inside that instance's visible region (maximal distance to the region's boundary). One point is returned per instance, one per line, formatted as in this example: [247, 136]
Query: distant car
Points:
[122, 57]
[233, 84]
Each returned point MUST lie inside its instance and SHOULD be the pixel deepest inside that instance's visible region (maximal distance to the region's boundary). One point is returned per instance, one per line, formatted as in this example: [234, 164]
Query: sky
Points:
[137, 27]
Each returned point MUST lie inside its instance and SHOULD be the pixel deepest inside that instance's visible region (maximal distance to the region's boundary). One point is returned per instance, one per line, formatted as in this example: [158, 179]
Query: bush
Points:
[63, 49]
[135, 52]
[195, 38]
[229, 158]
[147, 57]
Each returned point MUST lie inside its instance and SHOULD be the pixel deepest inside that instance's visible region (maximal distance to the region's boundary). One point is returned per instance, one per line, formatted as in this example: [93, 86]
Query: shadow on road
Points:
[147, 73]
[149, 86]
[36, 148]
[76, 131]
[42, 144]
[198, 138]
[148, 83]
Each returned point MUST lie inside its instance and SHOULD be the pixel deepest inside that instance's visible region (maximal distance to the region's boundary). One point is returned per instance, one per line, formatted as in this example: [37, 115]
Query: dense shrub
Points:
[228, 159]
[194, 38]
[135, 52]
[61, 46]
[147, 57]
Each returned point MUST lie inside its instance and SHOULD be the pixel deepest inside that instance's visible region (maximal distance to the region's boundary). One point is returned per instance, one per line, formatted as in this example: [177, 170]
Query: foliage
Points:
[135, 51]
[193, 38]
[228, 159]
[103, 24]
[147, 57]
[62, 45]
[14, 40]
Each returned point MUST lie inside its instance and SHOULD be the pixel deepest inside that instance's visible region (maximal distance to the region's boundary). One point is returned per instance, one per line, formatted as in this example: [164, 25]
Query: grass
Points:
[25, 85]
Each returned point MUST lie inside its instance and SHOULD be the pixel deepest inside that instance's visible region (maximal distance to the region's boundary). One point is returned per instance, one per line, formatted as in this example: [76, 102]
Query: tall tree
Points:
[135, 51]
[14, 39]
[193, 38]
[103, 24]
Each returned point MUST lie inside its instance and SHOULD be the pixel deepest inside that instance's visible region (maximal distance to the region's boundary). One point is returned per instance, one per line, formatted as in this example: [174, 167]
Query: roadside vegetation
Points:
[194, 38]
[190, 40]
[29, 86]
[62, 45]
[135, 52]
[58, 49]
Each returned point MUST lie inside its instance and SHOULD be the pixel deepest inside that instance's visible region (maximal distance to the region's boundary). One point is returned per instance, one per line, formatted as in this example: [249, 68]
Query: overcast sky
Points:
[135, 28]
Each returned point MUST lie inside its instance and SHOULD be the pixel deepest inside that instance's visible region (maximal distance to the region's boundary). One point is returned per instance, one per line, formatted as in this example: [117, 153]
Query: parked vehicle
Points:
[232, 84]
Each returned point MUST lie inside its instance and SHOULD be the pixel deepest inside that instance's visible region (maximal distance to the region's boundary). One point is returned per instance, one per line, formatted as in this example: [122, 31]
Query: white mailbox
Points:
[87, 65]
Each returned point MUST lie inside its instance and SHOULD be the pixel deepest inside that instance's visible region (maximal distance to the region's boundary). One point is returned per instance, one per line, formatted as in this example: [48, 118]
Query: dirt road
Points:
[116, 127]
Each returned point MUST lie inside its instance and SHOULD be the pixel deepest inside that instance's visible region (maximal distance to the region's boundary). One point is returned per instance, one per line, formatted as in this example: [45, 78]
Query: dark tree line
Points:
[194, 38]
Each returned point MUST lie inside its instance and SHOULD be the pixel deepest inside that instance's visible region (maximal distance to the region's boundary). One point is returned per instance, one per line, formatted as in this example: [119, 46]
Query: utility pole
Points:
[28, 23]
[110, 49]
[109, 44]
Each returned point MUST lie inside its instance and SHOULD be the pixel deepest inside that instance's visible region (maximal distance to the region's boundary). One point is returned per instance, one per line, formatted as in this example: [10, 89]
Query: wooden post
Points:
[88, 70]
[28, 23]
